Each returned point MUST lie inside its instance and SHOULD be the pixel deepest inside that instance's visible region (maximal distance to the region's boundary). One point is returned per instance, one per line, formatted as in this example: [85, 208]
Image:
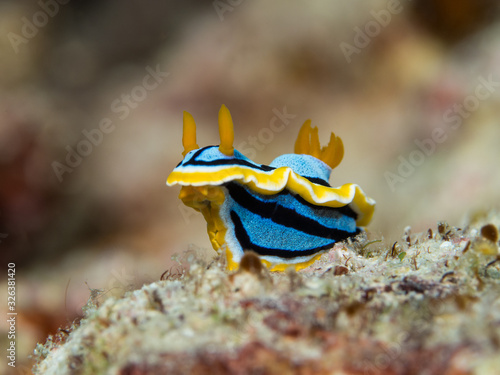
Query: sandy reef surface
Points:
[428, 304]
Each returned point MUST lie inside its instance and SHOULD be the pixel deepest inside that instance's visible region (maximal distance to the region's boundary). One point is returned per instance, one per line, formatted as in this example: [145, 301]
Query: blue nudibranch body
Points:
[286, 212]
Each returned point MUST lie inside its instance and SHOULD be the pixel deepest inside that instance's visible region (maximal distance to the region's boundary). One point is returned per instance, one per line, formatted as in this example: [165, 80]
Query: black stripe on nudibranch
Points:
[247, 244]
[345, 210]
[285, 217]
[193, 161]
[232, 161]
[317, 180]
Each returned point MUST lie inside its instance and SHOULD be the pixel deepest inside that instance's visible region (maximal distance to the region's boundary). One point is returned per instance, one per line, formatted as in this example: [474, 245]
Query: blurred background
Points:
[91, 101]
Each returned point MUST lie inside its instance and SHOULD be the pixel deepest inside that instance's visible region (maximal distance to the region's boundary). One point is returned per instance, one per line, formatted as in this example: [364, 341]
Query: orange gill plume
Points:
[308, 143]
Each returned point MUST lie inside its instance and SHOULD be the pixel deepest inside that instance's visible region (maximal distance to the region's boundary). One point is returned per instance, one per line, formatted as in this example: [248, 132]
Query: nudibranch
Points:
[286, 212]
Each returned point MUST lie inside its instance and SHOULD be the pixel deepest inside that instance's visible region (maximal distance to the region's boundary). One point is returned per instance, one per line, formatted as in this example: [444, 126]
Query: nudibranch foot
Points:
[285, 212]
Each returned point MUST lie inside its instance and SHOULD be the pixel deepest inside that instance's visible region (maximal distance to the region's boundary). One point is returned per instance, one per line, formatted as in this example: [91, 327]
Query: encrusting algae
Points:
[428, 304]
